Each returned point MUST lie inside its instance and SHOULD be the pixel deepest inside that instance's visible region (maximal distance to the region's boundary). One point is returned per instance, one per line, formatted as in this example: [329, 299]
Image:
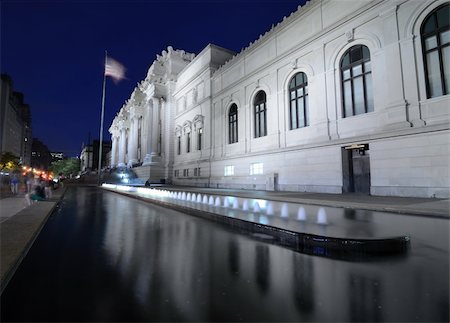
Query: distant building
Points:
[15, 122]
[341, 96]
[40, 155]
[89, 155]
[57, 156]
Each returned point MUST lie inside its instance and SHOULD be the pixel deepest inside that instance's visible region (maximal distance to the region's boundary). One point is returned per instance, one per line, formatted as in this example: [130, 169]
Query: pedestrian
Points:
[15, 184]
[29, 182]
[48, 189]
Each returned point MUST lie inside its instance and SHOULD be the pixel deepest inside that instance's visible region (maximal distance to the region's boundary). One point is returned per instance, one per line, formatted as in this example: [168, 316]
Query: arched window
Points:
[298, 101]
[260, 114]
[356, 76]
[233, 124]
[435, 32]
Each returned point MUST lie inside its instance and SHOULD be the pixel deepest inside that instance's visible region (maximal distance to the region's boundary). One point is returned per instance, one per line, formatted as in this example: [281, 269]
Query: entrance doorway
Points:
[356, 168]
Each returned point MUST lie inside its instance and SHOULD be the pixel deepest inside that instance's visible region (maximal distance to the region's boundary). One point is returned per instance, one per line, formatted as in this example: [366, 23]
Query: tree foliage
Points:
[9, 161]
[65, 166]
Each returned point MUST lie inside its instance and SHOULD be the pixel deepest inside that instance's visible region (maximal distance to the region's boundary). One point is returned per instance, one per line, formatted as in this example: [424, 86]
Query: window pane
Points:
[263, 123]
[446, 63]
[443, 16]
[356, 70]
[348, 99]
[346, 74]
[293, 115]
[292, 95]
[299, 79]
[307, 111]
[366, 53]
[430, 42]
[358, 95]
[369, 93]
[434, 74]
[355, 54]
[301, 111]
[345, 60]
[292, 83]
[367, 67]
[445, 37]
[300, 92]
[429, 25]
[257, 125]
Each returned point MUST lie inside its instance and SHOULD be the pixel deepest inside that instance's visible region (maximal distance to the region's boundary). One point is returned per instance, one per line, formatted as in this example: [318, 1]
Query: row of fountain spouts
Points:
[301, 213]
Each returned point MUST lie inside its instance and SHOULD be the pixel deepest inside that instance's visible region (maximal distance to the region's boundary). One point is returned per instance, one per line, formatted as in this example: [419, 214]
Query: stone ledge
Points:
[347, 248]
[18, 233]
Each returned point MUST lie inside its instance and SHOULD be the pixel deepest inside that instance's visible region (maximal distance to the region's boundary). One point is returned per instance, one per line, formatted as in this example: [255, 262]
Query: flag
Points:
[114, 69]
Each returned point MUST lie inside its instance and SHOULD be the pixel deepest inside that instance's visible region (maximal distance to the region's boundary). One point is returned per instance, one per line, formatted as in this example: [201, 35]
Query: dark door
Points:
[356, 169]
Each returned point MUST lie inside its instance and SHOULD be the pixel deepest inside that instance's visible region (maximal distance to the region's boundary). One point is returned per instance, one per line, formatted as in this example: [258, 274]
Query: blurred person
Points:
[29, 182]
[15, 184]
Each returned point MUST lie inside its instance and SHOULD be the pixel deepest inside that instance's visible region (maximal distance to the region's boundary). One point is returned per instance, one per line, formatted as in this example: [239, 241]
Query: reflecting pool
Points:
[105, 257]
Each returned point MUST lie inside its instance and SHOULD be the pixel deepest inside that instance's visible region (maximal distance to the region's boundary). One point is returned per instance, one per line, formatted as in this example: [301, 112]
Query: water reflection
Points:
[105, 257]
[303, 277]
[262, 267]
[233, 257]
[365, 299]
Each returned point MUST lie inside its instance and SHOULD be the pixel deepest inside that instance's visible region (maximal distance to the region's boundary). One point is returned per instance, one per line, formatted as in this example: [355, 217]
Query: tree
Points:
[9, 161]
[65, 166]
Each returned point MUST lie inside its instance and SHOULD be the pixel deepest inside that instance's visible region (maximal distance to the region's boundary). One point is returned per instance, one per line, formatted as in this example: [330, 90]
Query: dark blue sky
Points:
[54, 51]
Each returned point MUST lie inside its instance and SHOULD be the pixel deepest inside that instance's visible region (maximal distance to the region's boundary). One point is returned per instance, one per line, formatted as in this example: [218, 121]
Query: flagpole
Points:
[101, 122]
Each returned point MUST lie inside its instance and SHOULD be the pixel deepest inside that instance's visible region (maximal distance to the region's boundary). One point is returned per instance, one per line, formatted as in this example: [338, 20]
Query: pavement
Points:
[434, 207]
[20, 224]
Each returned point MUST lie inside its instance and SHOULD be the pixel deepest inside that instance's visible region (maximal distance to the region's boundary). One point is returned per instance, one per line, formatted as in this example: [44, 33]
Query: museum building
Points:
[334, 98]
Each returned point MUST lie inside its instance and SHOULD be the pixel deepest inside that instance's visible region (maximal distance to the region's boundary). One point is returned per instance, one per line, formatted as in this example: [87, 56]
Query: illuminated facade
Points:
[333, 99]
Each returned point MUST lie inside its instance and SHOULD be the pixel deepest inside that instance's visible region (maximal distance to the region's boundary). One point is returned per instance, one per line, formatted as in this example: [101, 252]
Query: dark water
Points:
[105, 257]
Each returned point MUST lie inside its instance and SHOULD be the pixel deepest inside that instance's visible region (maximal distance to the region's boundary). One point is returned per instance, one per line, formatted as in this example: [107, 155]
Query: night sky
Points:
[54, 52]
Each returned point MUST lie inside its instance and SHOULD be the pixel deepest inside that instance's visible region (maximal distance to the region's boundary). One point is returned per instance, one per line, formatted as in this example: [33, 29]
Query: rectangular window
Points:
[229, 170]
[188, 142]
[179, 145]
[256, 169]
[199, 139]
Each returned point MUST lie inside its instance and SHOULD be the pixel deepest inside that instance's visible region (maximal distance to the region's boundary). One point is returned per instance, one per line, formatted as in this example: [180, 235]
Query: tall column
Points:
[149, 133]
[122, 146]
[132, 141]
[114, 149]
[155, 126]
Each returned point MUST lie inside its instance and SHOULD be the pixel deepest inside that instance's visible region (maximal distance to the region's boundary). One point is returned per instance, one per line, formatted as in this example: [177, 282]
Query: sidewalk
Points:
[20, 224]
[404, 205]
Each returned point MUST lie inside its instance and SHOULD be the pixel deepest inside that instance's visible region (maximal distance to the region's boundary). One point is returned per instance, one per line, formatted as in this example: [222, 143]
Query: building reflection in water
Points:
[365, 299]
[233, 258]
[303, 276]
[262, 267]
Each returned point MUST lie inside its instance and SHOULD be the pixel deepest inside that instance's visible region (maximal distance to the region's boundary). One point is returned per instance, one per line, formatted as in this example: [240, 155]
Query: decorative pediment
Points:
[178, 130]
[187, 126]
[198, 121]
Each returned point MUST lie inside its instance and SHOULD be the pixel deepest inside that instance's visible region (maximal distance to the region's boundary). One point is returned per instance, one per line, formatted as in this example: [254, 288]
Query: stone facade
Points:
[333, 99]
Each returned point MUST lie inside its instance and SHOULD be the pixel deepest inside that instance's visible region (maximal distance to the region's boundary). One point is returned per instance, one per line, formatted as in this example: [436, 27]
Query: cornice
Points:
[301, 10]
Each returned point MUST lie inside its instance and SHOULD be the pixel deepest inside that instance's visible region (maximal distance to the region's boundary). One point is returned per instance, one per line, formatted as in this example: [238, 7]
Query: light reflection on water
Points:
[106, 257]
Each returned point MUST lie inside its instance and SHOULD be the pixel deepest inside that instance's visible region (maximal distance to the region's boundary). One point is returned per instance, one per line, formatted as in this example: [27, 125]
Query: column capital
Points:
[136, 112]
[123, 125]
